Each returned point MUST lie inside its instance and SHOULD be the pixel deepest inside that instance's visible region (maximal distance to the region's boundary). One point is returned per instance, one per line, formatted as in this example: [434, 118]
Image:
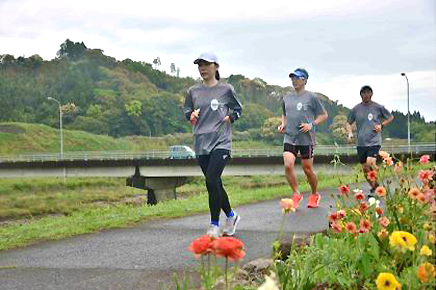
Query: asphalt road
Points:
[147, 254]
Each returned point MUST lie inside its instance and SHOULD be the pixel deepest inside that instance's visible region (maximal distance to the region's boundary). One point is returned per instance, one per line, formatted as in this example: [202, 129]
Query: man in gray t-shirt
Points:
[370, 117]
[302, 111]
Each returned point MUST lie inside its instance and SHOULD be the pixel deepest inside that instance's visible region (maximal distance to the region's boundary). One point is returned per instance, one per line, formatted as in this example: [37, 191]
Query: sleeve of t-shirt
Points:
[351, 117]
[385, 113]
[189, 105]
[234, 104]
[284, 109]
[317, 105]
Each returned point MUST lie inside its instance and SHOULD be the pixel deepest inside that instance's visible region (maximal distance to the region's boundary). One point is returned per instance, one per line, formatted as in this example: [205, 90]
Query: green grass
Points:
[87, 219]
[23, 138]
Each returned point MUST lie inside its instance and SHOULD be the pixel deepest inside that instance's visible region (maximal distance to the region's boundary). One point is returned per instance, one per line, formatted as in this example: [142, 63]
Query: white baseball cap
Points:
[208, 57]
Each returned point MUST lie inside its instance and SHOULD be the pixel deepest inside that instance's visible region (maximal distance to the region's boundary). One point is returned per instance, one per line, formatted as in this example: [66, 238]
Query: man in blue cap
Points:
[302, 112]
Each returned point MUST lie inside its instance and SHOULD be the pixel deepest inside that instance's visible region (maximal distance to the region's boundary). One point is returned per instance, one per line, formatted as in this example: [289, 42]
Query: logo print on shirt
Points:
[214, 104]
[225, 156]
[370, 116]
[299, 106]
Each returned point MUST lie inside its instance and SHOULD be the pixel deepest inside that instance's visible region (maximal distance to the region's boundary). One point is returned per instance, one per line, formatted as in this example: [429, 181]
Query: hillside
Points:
[101, 95]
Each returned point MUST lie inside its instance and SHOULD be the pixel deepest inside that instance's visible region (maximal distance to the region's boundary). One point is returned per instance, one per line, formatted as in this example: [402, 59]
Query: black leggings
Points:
[212, 166]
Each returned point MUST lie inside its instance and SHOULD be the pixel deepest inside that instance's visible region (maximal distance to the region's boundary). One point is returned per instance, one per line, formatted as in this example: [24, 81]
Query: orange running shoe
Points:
[314, 200]
[296, 198]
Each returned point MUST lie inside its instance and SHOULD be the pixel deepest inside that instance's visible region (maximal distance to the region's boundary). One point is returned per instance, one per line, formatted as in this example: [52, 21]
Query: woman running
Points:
[211, 106]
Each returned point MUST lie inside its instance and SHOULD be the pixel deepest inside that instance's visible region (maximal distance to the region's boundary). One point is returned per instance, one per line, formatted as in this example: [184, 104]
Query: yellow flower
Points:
[431, 238]
[425, 251]
[387, 281]
[287, 205]
[402, 240]
[426, 273]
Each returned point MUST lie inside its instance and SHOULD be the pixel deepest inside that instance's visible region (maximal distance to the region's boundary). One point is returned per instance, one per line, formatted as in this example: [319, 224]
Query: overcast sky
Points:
[343, 44]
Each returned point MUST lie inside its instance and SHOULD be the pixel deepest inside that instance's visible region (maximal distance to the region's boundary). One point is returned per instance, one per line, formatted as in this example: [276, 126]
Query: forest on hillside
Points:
[102, 95]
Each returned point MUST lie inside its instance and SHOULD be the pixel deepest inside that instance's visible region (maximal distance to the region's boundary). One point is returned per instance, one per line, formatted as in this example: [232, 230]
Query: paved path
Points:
[147, 254]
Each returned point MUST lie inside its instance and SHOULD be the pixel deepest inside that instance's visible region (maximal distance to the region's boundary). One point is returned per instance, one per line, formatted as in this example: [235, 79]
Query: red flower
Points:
[363, 207]
[201, 246]
[424, 159]
[344, 189]
[365, 225]
[333, 217]
[359, 195]
[229, 247]
[372, 175]
[379, 211]
[351, 227]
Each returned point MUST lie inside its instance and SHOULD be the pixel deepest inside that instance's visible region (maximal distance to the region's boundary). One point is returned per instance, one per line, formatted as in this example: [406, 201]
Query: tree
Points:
[71, 50]
[269, 130]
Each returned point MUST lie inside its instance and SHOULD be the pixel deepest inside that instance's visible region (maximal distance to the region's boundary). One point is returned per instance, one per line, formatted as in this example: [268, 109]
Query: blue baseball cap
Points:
[208, 57]
[300, 73]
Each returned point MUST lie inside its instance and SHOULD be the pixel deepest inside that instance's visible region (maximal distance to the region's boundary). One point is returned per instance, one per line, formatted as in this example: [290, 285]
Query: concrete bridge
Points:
[161, 176]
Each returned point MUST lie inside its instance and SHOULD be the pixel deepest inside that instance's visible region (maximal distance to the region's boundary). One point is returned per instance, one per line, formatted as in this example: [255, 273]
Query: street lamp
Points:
[60, 123]
[408, 113]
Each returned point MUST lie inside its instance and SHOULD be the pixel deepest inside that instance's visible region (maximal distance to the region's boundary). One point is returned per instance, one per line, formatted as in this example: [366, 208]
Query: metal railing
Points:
[164, 154]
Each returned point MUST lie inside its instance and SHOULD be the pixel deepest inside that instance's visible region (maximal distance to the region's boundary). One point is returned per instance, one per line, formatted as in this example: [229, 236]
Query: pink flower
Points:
[424, 159]
[365, 226]
[336, 227]
[383, 154]
[359, 195]
[425, 176]
[383, 221]
[388, 161]
[341, 214]
[344, 189]
[381, 191]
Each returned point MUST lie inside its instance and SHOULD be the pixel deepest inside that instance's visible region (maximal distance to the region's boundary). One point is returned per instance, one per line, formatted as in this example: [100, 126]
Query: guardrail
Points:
[164, 154]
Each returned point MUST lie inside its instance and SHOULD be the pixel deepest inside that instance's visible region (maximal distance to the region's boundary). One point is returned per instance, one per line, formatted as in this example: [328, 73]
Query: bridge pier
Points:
[158, 188]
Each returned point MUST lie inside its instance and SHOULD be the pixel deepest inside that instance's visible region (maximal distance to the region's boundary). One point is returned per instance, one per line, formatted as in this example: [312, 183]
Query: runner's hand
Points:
[377, 128]
[305, 127]
[194, 116]
[280, 128]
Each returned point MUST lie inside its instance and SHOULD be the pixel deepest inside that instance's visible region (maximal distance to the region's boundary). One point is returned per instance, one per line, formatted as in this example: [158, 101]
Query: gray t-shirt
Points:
[300, 109]
[210, 131]
[366, 116]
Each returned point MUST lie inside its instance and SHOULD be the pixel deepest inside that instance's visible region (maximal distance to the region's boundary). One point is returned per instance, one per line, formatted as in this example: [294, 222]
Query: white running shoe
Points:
[230, 225]
[214, 232]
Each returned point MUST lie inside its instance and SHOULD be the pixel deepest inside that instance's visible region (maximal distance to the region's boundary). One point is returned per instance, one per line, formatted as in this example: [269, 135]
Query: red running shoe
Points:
[296, 198]
[314, 200]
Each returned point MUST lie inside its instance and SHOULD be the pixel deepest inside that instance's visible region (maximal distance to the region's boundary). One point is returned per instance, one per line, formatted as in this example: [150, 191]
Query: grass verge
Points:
[91, 220]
